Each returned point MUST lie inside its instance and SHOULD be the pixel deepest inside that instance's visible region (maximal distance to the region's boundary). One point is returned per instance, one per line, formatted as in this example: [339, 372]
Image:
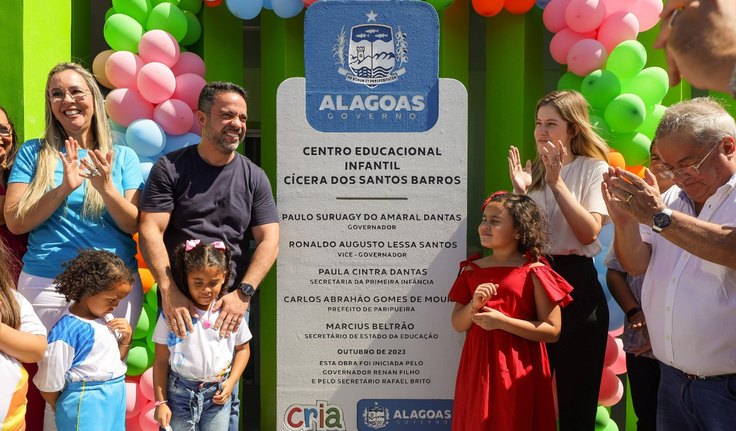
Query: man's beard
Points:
[219, 141]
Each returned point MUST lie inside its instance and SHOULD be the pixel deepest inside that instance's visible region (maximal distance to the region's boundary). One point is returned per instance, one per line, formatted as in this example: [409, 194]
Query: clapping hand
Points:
[521, 178]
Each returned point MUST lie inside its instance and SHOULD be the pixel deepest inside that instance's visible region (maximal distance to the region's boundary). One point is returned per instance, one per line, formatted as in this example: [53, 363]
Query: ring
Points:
[94, 172]
[629, 198]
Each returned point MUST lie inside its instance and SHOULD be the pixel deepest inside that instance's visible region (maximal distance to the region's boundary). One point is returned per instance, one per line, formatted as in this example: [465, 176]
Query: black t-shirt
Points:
[210, 203]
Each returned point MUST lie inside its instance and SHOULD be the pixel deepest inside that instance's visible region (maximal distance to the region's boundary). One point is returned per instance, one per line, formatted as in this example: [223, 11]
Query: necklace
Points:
[550, 209]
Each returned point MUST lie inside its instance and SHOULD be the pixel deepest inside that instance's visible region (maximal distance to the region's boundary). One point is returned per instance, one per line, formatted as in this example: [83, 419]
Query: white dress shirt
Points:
[690, 303]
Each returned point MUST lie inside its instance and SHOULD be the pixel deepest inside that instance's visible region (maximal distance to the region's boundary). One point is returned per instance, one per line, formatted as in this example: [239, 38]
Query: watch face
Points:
[247, 289]
[662, 220]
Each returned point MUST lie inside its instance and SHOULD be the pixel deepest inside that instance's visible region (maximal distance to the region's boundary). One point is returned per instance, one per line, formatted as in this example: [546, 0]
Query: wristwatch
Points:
[661, 220]
[246, 289]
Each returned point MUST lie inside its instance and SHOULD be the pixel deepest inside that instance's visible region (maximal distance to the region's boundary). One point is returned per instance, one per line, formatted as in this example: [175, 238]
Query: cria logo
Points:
[320, 416]
[371, 66]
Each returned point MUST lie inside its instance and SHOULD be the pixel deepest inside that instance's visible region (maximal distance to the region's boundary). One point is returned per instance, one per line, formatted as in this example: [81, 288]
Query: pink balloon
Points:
[196, 127]
[617, 332]
[133, 424]
[146, 420]
[122, 69]
[156, 82]
[647, 11]
[586, 56]
[174, 116]
[554, 15]
[617, 28]
[145, 385]
[611, 351]
[585, 15]
[612, 389]
[619, 365]
[159, 46]
[98, 68]
[124, 106]
[561, 43]
[133, 402]
[189, 62]
[188, 87]
[613, 6]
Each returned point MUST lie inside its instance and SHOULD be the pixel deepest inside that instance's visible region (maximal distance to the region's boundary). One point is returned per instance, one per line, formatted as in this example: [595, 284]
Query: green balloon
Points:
[110, 12]
[146, 322]
[136, 9]
[169, 18]
[193, 6]
[627, 59]
[158, 2]
[122, 33]
[194, 29]
[649, 126]
[138, 358]
[600, 126]
[151, 297]
[600, 87]
[440, 5]
[610, 426]
[625, 113]
[633, 146]
[601, 416]
[651, 84]
[570, 81]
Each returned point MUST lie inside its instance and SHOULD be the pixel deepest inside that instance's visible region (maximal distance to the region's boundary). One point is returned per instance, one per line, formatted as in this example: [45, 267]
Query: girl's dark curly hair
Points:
[529, 222]
[91, 272]
[9, 307]
[199, 257]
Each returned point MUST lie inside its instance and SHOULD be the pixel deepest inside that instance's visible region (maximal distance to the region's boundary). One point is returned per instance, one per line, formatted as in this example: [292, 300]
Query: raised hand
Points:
[521, 178]
[99, 169]
[552, 155]
[72, 177]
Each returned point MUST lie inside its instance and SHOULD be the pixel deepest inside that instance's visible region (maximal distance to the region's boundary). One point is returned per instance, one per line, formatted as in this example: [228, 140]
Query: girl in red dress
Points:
[509, 305]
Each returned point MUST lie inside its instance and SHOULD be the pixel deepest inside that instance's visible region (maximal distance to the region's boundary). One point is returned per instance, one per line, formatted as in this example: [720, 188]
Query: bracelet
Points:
[158, 403]
[632, 311]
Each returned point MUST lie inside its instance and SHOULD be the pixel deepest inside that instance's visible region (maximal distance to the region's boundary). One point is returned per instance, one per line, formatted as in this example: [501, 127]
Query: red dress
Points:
[503, 380]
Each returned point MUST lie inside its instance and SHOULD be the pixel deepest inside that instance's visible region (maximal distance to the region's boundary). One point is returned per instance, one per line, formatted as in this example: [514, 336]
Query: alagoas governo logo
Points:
[360, 73]
[374, 56]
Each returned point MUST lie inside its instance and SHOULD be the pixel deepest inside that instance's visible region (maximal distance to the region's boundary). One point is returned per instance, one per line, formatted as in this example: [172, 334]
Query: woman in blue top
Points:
[72, 190]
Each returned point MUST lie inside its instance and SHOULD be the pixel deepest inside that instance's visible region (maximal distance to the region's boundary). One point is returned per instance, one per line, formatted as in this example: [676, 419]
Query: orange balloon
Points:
[518, 7]
[146, 279]
[638, 170]
[616, 159]
[138, 255]
[488, 7]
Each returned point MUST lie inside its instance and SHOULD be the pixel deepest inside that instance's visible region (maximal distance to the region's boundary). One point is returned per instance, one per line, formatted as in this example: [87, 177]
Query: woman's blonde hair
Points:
[573, 108]
[53, 141]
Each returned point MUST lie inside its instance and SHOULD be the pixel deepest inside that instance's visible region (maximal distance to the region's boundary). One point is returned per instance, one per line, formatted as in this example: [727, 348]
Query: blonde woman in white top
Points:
[564, 180]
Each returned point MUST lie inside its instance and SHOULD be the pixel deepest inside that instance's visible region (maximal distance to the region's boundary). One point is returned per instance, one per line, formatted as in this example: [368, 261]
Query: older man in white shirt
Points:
[685, 241]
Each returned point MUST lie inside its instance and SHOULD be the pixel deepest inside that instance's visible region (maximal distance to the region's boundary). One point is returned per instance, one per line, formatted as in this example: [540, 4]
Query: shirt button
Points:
[669, 308]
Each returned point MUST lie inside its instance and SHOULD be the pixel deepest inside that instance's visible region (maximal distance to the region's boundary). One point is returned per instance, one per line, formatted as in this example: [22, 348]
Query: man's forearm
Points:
[709, 241]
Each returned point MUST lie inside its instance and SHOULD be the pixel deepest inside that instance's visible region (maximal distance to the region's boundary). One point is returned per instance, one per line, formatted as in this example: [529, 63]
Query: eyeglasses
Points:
[6, 129]
[687, 171]
[58, 95]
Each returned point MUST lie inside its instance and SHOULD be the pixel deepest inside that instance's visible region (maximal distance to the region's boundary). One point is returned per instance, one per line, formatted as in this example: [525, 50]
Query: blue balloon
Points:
[177, 142]
[245, 9]
[146, 170]
[615, 316]
[287, 8]
[542, 3]
[267, 4]
[145, 137]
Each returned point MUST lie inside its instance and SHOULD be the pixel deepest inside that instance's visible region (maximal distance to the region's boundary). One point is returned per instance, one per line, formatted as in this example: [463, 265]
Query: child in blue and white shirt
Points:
[82, 374]
[194, 377]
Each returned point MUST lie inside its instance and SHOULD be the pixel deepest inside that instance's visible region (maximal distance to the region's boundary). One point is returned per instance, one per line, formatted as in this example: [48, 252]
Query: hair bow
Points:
[219, 245]
[190, 244]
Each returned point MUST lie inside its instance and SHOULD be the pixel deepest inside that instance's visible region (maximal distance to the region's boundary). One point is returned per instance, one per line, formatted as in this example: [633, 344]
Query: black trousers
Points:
[643, 376]
[577, 358]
